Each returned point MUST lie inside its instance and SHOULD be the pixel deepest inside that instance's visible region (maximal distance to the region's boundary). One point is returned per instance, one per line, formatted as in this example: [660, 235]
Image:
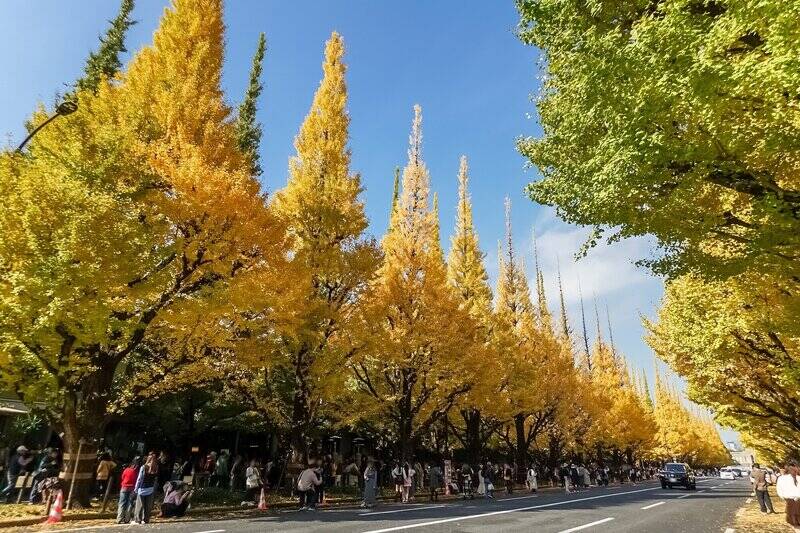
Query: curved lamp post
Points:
[64, 108]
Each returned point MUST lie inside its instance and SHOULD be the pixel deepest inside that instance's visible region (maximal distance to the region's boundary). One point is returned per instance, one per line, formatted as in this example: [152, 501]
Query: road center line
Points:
[652, 505]
[401, 510]
[586, 526]
[507, 511]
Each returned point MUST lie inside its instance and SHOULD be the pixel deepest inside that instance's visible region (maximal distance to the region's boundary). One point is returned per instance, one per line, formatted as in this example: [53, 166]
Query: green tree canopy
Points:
[677, 118]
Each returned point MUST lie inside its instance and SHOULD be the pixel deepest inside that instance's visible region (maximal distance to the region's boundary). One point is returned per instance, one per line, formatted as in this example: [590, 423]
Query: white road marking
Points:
[729, 530]
[716, 486]
[211, 531]
[586, 526]
[401, 510]
[652, 505]
[507, 511]
[749, 500]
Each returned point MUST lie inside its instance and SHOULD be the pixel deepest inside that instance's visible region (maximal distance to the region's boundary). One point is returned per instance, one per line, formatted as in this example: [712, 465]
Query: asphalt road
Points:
[643, 508]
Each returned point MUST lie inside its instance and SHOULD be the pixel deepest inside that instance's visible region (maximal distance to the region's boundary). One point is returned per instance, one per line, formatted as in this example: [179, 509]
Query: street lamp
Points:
[64, 108]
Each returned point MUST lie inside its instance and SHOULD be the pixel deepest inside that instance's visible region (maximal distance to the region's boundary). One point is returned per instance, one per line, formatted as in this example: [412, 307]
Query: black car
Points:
[677, 474]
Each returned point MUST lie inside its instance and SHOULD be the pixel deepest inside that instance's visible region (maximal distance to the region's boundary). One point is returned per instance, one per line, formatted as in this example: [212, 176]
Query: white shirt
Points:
[787, 489]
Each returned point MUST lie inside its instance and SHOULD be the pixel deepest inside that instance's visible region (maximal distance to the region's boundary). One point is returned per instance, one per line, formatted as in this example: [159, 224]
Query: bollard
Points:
[48, 502]
[74, 473]
[109, 482]
[24, 484]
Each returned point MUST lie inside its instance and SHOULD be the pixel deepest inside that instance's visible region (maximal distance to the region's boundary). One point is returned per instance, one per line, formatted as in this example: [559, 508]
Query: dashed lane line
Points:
[587, 526]
[507, 511]
[652, 505]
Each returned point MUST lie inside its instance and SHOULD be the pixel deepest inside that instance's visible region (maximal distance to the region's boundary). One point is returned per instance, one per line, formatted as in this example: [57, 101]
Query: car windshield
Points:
[675, 468]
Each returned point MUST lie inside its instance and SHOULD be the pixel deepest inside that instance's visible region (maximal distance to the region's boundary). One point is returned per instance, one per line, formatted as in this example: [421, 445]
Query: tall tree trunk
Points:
[83, 419]
[300, 411]
[521, 444]
[472, 435]
[297, 433]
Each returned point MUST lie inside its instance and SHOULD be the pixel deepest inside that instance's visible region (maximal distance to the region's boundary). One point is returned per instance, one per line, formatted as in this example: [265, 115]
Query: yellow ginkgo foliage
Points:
[120, 221]
[416, 361]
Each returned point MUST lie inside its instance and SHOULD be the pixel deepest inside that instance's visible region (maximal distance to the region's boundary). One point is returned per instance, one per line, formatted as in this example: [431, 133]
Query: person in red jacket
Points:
[126, 495]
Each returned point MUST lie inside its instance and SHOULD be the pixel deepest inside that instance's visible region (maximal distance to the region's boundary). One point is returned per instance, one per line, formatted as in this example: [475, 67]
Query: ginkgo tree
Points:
[325, 219]
[121, 219]
[650, 111]
[416, 359]
[533, 371]
[471, 422]
[735, 343]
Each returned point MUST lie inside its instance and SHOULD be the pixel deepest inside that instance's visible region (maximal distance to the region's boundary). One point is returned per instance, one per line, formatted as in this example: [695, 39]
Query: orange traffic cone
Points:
[262, 503]
[57, 511]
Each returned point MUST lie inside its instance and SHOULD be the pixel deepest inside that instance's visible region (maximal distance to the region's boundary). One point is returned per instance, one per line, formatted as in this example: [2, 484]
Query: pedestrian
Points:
[434, 481]
[319, 470]
[397, 476]
[586, 479]
[370, 484]
[632, 475]
[488, 480]
[530, 479]
[253, 482]
[573, 476]
[481, 490]
[104, 469]
[165, 469]
[758, 477]
[563, 474]
[306, 487]
[508, 478]
[467, 485]
[176, 500]
[145, 489]
[221, 473]
[329, 476]
[419, 475]
[127, 496]
[788, 488]
[408, 481]
[49, 467]
[237, 472]
[19, 464]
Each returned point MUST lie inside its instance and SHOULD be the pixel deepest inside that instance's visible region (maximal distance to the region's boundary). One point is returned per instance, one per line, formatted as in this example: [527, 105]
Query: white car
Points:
[727, 473]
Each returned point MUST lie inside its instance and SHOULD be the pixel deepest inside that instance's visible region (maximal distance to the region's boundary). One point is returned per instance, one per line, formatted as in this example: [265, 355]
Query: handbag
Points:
[490, 486]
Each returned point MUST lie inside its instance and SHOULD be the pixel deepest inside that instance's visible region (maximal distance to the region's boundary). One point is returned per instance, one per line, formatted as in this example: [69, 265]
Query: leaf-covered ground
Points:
[750, 519]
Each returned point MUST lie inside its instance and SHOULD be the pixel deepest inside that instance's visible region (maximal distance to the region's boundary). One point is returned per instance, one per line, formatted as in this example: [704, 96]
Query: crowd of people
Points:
[144, 480]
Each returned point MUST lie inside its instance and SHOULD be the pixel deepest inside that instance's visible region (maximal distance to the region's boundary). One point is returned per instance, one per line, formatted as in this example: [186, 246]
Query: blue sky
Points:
[459, 60]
